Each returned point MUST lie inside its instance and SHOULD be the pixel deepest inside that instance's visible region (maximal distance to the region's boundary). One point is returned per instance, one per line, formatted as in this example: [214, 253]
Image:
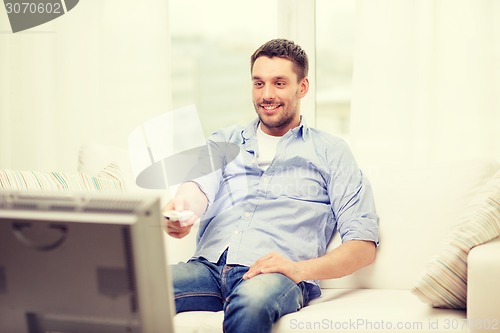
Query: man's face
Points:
[276, 94]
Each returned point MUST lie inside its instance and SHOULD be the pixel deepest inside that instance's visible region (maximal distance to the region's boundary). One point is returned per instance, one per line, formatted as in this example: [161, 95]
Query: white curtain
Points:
[89, 76]
[426, 81]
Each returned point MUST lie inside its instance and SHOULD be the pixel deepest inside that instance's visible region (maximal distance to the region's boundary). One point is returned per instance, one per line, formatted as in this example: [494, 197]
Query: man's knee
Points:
[266, 295]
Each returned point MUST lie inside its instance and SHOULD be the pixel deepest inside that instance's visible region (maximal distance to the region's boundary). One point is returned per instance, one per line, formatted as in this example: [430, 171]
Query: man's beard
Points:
[282, 119]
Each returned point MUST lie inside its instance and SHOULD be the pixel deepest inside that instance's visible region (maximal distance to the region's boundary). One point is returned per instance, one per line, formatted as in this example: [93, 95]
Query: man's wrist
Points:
[300, 271]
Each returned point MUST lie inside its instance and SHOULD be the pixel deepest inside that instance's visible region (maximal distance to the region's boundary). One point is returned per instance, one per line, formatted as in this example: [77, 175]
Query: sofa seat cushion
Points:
[348, 310]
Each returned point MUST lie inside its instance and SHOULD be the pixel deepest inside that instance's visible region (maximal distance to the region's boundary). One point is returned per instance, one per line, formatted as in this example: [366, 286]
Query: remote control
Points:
[181, 216]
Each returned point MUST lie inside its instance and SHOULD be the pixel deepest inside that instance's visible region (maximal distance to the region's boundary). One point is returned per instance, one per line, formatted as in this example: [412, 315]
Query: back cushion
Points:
[93, 158]
[417, 207]
[108, 180]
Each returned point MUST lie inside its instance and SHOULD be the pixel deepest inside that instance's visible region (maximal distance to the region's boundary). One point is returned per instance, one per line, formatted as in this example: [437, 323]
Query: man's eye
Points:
[280, 84]
[258, 84]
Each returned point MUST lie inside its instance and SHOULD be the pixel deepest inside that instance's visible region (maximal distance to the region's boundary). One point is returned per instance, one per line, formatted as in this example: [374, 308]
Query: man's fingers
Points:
[175, 229]
[261, 265]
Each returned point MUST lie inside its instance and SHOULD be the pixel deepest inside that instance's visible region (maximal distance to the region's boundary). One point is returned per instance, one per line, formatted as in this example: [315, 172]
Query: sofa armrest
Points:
[483, 287]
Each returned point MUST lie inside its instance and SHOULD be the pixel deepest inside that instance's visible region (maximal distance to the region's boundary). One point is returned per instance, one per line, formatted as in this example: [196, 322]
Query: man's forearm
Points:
[344, 260]
[341, 261]
[190, 194]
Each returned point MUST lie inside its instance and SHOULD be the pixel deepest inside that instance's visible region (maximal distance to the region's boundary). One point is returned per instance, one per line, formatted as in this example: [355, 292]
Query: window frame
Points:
[297, 21]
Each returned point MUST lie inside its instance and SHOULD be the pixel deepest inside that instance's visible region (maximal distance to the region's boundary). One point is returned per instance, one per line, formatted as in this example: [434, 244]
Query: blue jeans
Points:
[249, 305]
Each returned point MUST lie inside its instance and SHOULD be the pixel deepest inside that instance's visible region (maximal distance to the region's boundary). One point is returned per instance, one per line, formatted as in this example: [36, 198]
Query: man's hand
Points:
[275, 263]
[188, 197]
[174, 228]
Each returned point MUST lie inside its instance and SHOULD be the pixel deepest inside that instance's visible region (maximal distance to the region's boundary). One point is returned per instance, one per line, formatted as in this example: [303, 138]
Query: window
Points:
[211, 48]
[334, 55]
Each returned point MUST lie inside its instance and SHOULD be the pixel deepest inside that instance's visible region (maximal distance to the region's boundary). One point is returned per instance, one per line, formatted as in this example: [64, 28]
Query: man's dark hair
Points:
[287, 49]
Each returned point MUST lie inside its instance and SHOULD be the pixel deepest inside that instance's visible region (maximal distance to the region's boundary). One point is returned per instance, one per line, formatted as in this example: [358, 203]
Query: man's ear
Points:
[304, 87]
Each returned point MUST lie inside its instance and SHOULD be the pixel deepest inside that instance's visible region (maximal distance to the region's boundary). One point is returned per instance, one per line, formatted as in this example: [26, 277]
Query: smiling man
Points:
[267, 216]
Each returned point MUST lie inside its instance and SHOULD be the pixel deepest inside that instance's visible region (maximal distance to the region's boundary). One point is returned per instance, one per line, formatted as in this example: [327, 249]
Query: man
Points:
[268, 215]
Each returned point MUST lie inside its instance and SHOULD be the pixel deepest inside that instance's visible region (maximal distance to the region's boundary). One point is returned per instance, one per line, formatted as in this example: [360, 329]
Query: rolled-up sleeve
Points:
[352, 200]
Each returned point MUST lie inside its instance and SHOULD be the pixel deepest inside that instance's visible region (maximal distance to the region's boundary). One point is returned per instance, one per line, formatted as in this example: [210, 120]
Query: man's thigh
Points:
[255, 304]
[196, 287]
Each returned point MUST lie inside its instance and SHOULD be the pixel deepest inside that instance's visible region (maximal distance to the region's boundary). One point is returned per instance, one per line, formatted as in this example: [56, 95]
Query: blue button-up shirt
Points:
[311, 189]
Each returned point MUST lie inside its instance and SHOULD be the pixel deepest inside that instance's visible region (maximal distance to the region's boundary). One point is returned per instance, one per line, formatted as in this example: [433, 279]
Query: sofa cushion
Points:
[347, 310]
[444, 281]
[418, 206]
[93, 158]
[109, 179]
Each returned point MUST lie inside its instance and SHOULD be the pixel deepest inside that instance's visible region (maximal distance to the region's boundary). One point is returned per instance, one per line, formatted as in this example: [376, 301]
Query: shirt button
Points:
[248, 214]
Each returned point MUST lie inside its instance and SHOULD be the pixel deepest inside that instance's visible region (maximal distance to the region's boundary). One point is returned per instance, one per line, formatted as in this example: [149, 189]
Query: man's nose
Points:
[268, 92]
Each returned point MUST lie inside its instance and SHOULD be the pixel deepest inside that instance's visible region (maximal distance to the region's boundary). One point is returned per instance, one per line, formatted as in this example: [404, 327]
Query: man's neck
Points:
[279, 131]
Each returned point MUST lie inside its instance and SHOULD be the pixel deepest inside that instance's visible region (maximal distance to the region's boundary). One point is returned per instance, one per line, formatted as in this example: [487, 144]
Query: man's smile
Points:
[270, 108]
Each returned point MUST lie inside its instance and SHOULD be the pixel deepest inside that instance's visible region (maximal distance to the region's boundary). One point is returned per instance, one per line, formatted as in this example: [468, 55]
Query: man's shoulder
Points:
[330, 148]
[326, 138]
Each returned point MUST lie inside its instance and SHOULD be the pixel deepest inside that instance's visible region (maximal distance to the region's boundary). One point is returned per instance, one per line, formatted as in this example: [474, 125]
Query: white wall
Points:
[426, 81]
[90, 76]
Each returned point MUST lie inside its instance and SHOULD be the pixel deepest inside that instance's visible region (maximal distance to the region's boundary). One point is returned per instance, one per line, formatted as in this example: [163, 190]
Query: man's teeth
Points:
[270, 107]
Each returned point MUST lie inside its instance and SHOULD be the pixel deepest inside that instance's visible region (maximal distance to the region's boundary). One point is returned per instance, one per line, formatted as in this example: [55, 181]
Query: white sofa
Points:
[418, 207]
[422, 213]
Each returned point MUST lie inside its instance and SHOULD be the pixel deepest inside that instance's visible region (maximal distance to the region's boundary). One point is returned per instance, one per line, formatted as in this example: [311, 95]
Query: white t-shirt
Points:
[267, 148]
